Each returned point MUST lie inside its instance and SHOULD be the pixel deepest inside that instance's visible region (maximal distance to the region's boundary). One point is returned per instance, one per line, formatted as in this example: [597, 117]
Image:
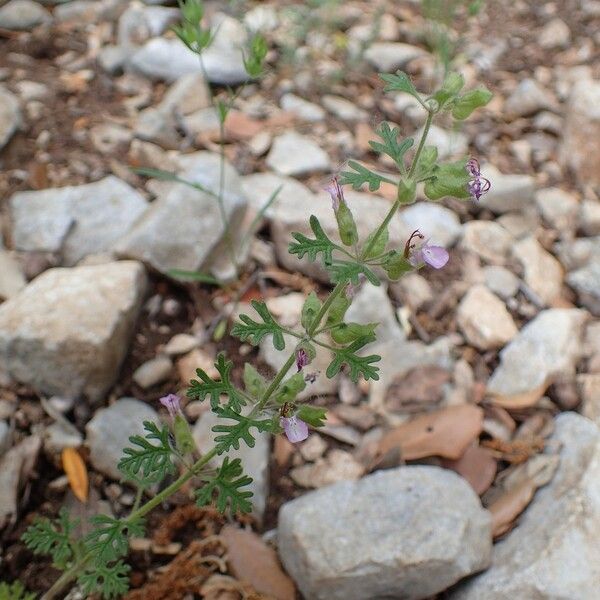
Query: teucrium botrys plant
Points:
[271, 405]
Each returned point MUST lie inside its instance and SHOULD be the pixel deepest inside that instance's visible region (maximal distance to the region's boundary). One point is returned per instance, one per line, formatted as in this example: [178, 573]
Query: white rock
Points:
[295, 154]
[109, 138]
[32, 90]
[484, 320]
[183, 226]
[10, 115]
[154, 371]
[553, 552]
[391, 56]
[558, 208]
[435, 222]
[170, 59]
[586, 281]
[555, 34]
[545, 348]
[387, 535]
[303, 109]
[138, 23]
[487, 239]
[23, 14]
[255, 461]
[412, 289]
[187, 95]
[588, 386]
[337, 466]
[508, 192]
[581, 135]
[501, 281]
[527, 99]
[589, 217]
[182, 343]
[75, 220]
[67, 332]
[109, 430]
[12, 280]
[344, 109]
[261, 18]
[543, 273]
[112, 58]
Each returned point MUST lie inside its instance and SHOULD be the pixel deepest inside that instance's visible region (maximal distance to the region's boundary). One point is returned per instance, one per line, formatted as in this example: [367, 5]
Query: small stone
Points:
[10, 115]
[543, 273]
[255, 461]
[412, 289]
[109, 138]
[551, 553]
[586, 282]
[75, 220]
[303, 109]
[344, 109]
[32, 90]
[589, 390]
[487, 239]
[153, 372]
[68, 331]
[338, 465]
[388, 57]
[555, 34]
[589, 217]
[386, 532]
[23, 15]
[59, 436]
[527, 99]
[508, 192]
[295, 154]
[261, 18]
[112, 58]
[450, 144]
[501, 281]
[437, 223]
[484, 320]
[196, 359]
[182, 343]
[546, 348]
[12, 279]
[313, 448]
[581, 134]
[109, 430]
[558, 208]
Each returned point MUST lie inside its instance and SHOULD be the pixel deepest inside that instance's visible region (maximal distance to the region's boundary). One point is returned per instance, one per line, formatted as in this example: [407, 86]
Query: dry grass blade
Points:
[76, 471]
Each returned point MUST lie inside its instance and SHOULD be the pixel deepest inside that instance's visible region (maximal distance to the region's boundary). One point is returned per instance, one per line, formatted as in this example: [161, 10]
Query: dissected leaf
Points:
[76, 472]
[207, 386]
[313, 247]
[399, 82]
[360, 176]
[113, 580]
[446, 433]
[109, 539]
[253, 331]
[358, 365]
[227, 483]
[232, 434]
[148, 463]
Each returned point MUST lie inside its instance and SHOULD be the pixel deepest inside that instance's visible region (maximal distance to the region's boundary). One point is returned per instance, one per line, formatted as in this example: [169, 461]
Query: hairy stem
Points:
[424, 135]
[337, 290]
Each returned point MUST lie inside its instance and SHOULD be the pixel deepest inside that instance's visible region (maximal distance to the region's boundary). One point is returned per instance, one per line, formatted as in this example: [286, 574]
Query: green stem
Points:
[66, 578]
[415, 161]
[381, 229]
[274, 384]
[337, 290]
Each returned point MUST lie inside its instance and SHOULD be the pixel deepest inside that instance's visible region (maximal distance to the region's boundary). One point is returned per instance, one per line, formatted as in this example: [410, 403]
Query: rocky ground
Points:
[478, 451]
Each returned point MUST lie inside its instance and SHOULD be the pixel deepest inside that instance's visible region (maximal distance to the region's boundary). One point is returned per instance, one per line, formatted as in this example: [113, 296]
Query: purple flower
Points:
[296, 430]
[171, 403]
[424, 252]
[337, 194]
[477, 185]
[301, 359]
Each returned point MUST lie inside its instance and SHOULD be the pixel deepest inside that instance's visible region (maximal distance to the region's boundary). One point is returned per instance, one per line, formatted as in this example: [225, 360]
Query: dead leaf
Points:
[524, 400]
[516, 451]
[477, 466]
[253, 562]
[15, 469]
[519, 487]
[446, 433]
[417, 390]
[76, 472]
[509, 506]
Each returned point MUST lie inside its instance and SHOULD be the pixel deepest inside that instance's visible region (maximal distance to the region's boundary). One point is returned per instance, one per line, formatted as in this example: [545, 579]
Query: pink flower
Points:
[424, 253]
[301, 359]
[478, 185]
[336, 192]
[171, 403]
[295, 428]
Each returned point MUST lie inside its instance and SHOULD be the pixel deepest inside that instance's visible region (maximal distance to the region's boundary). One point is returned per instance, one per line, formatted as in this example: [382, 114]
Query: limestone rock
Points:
[508, 192]
[387, 535]
[23, 15]
[75, 220]
[487, 239]
[545, 348]
[12, 280]
[303, 109]
[10, 115]
[553, 552]
[527, 99]
[484, 320]
[67, 332]
[391, 56]
[295, 154]
[558, 208]
[109, 430]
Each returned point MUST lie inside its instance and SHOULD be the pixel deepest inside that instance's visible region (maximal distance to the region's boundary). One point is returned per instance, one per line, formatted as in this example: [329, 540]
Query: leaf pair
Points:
[252, 330]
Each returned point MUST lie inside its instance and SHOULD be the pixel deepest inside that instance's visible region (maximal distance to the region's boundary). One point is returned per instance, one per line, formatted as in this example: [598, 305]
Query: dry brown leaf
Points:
[446, 433]
[509, 506]
[477, 466]
[524, 400]
[253, 562]
[76, 472]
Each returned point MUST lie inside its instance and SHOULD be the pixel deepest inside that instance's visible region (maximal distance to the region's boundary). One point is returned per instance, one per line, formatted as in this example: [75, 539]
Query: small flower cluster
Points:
[477, 185]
